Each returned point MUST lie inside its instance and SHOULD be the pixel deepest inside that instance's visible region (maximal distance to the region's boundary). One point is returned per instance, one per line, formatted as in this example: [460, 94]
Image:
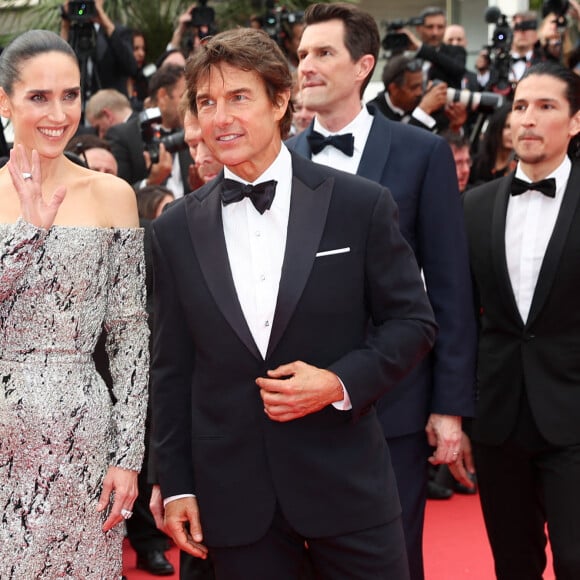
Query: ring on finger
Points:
[26, 175]
[126, 514]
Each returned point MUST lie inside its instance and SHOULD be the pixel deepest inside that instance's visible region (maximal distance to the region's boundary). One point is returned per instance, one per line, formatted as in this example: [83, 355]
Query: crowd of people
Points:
[248, 312]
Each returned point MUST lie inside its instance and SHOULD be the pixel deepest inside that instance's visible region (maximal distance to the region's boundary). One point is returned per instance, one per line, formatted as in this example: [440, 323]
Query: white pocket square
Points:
[332, 252]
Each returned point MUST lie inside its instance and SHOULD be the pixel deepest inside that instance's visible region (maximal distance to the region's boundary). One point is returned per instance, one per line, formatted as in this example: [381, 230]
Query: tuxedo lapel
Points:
[556, 243]
[308, 211]
[204, 218]
[498, 245]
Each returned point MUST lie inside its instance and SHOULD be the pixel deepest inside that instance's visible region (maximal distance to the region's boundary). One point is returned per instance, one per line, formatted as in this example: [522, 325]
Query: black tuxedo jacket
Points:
[541, 355]
[447, 62]
[330, 471]
[127, 147]
[418, 169]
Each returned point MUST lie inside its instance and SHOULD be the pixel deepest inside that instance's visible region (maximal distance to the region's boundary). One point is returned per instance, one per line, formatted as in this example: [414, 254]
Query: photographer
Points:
[442, 61]
[558, 32]
[525, 49]
[103, 48]
[404, 98]
[197, 22]
[134, 154]
[106, 108]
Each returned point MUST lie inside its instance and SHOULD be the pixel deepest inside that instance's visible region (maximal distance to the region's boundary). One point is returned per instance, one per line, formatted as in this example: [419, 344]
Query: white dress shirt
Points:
[330, 156]
[256, 243]
[530, 221]
[418, 113]
[519, 68]
[174, 181]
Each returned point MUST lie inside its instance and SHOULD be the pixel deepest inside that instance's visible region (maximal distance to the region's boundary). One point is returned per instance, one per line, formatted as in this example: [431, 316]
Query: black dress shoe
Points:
[436, 491]
[155, 562]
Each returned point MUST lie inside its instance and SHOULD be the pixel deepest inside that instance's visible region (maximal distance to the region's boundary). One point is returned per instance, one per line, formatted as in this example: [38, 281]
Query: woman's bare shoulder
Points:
[117, 200]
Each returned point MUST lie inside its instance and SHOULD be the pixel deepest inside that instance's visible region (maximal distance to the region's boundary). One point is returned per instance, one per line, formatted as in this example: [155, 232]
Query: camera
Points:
[151, 133]
[558, 7]
[203, 18]
[80, 11]
[502, 35]
[202, 15]
[277, 22]
[484, 102]
[499, 52]
[396, 42]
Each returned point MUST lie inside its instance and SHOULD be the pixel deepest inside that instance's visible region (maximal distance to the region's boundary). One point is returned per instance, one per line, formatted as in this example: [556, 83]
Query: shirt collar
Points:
[360, 128]
[394, 108]
[281, 166]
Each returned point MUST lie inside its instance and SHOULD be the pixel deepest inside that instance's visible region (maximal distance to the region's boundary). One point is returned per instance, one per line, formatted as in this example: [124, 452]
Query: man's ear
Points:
[161, 96]
[365, 66]
[575, 124]
[282, 100]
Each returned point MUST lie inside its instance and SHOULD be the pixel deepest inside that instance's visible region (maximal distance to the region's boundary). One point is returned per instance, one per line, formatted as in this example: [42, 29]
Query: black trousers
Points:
[409, 455]
[372, 554]
[524, 484]
[191, 568]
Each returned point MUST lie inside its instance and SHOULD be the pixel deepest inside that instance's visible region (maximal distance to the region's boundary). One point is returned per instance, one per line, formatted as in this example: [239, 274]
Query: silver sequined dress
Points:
[59, 426]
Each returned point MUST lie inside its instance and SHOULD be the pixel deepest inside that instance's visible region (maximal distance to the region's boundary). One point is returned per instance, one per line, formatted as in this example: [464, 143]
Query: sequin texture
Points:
[60, 427]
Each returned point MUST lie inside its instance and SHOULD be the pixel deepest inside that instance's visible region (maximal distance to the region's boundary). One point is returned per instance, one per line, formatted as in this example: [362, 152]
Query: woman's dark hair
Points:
[249, 50]
[27, 46]
[149, 198]
[491, 143]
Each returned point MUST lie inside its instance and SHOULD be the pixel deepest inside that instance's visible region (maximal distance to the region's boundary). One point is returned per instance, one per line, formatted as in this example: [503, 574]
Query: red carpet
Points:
[456, 547]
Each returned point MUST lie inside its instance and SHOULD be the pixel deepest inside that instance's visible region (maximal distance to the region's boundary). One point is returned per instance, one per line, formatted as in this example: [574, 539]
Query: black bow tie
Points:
[343, 142]
[545, 186]
[261, 195]
[519, 59]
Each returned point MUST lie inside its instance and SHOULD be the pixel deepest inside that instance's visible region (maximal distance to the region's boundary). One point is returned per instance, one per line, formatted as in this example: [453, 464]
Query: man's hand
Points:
[444, 433]
[464, 464]
[414, 42]
[297, 389]
[179, 513]
[457, 115]
[161, 170]
[434, 98]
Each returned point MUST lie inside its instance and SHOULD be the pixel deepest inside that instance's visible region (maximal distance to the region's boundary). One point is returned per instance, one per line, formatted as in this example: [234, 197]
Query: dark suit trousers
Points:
[523, 484]
[372, 554]
[192, 568]
[409, 455]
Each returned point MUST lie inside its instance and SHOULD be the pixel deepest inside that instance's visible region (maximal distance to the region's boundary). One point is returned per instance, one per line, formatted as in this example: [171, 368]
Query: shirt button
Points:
[262, 277]
[258, 234]
[267, 323]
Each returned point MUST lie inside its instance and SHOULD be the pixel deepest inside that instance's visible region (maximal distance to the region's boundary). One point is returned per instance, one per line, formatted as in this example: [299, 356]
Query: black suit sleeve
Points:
[448, 63]
[404, 326]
